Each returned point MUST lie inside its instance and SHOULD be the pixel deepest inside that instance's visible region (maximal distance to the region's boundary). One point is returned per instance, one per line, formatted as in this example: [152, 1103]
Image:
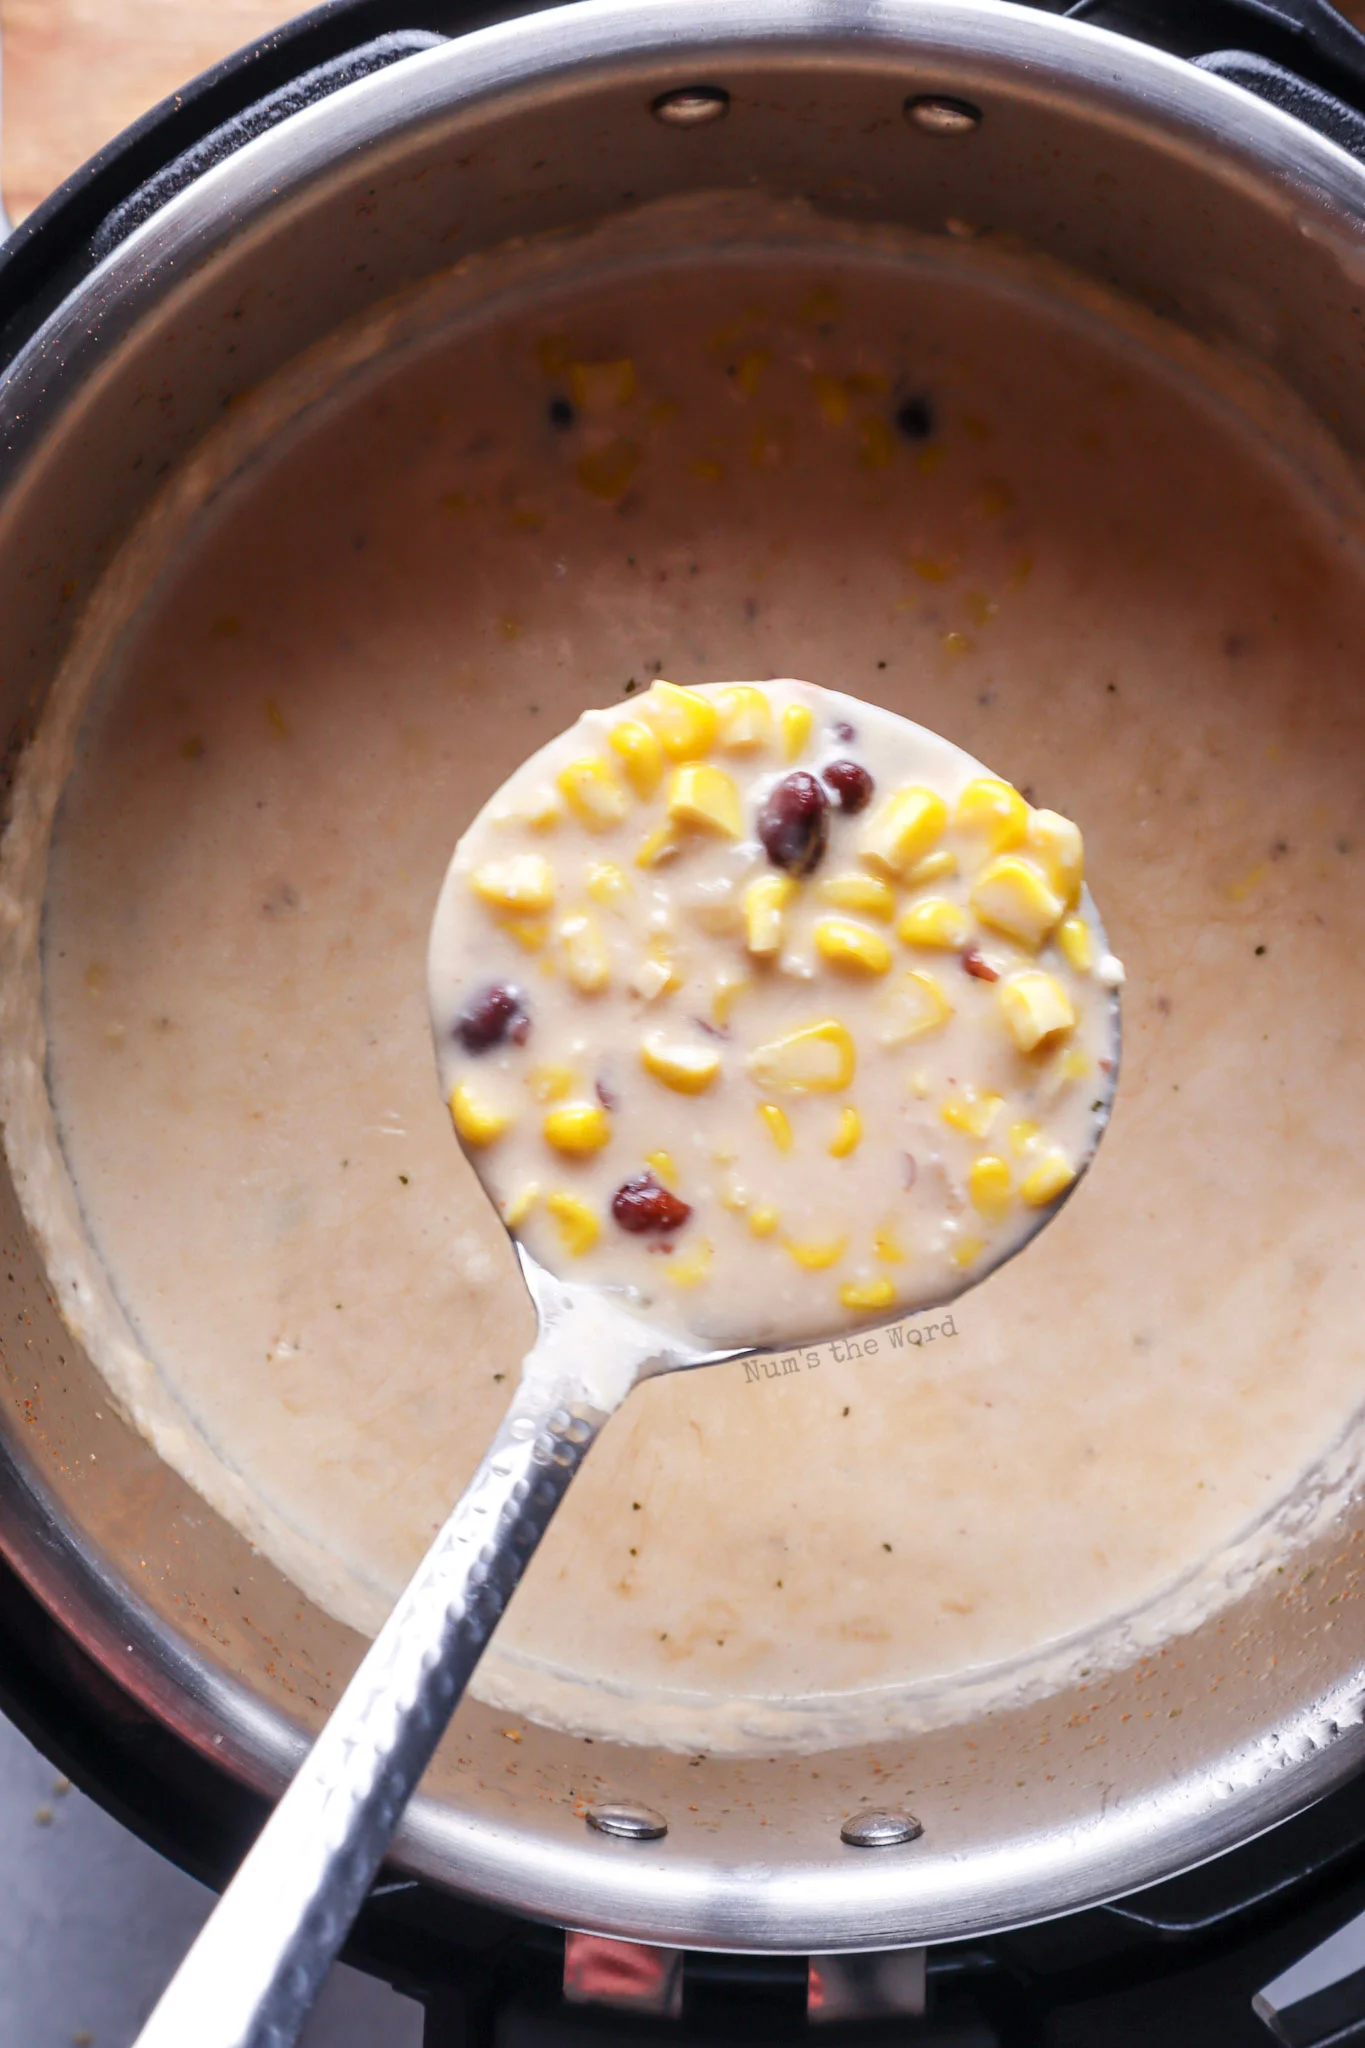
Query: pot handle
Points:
[1321, 1998]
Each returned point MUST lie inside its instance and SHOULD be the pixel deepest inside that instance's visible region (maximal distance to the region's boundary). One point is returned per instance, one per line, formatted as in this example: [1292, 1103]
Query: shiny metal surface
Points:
[1164, 182]
[627, 1820]
[938, 115]
[877, 1827]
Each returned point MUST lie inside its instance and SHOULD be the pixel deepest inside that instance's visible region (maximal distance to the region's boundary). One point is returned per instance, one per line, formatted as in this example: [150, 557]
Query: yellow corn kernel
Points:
[797, 720]
[989, 1183]
[902, 831]
[705, 799]
[641, 755]
[477, 1121]
[731, 1195]
[813, 1255]
[763, 1221]
[587, 963]
[887, 1246]
[530, 933]
[578, 1226]
[848, 1136]
[664, 1167]
[685, 721]
[1012, 896]
[1051, 1177]
[577, 1128]
[601, 387]
[523, 884]
[971, 1112]
[650, 980]
[687, 1069]
[746, 719]
[995, 811]
[727, 987]
[938, 922]
[765, 899]
[1075, 1065]
[966, 1251]
[607, 884]
[935, 867]
[912, 1009]
[538, 810]
[519, 1207]
[1078, 948]
[1024, 1135]
[593, 792]
[819, 1058]
[692, 1267]
[851, 947]
[1036, 1006]
[866, 893]
[550, 1083]
[776, 1124]
[1056, 845]
[656, 847]
[867, 1294]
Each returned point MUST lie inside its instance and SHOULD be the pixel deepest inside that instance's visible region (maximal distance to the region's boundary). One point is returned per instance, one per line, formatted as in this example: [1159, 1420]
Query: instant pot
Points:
[1063, 1867]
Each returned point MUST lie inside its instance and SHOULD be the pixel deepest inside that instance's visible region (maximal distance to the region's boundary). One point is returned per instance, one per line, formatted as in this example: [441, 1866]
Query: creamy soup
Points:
[983, 506]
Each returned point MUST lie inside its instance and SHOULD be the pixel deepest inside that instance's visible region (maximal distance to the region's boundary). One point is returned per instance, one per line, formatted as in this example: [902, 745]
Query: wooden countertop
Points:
[77, 71]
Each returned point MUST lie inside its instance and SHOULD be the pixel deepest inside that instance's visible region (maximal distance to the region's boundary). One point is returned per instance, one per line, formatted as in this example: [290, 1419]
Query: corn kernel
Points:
[851, 947]
[935, 867]
[989, 1182]
[1075, 1065]
[994, 810]
[691, 1268]
[664, 1167]
[727, 987]
[656, 847]
[1024, 1135]
[814, 1256]
[1078, 950]
[763, 1221]
[593, 792]
[687, 1069]
[902, 831]
[1036, 1007]
[530, 933]
[1012, 897]
[523, 884]
[705, 799]
[607, 884]
[938, 922]
[866, 893]
[972, 1112]
[746, 719]
[867, 1294]
[587, 963]
[578, 1226]
[519, 1207]
[539, 810]
[765, 899]
[477, 1121]
[912, 1009]
[731, 1195]
[685, 721]
[820, 1057]
[966, 1251]
[1051, 1177]
[848, 1136]
[1056, 845]
[601, 387]
[650, 980]
[887, 1246]
[550, 1083]
[776, 1124]
[577, 1128]
[797, 720]
[641, 755]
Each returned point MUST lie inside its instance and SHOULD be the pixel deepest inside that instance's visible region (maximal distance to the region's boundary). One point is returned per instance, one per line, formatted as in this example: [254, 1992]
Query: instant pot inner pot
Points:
[814, 248]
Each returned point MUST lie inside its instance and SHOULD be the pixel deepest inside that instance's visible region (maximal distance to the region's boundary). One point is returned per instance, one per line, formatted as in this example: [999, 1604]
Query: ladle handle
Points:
[252, 1975]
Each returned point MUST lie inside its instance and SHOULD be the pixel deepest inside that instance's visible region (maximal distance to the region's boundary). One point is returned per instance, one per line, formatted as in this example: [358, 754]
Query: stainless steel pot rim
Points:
[850, 1900]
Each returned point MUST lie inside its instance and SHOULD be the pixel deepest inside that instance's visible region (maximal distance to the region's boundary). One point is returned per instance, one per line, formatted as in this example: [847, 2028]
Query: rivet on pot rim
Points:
[936, 114]
[628, 1820]
[691, 106]
[878, 1827]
